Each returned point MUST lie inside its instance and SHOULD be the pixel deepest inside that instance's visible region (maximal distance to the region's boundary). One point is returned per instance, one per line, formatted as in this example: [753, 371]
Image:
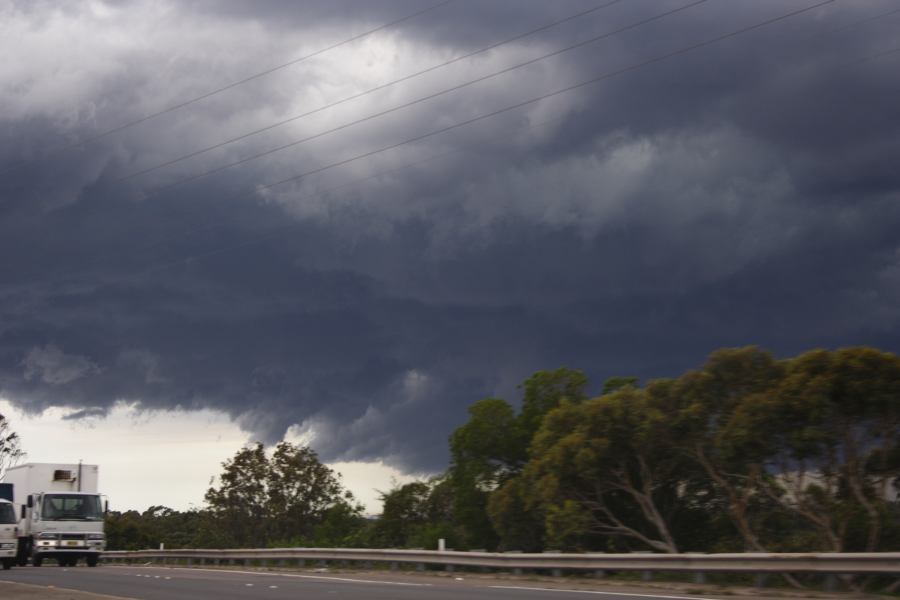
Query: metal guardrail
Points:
[824, 563]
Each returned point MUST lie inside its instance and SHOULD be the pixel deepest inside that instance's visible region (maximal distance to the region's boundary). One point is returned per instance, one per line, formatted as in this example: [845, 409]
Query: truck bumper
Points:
[68, 546]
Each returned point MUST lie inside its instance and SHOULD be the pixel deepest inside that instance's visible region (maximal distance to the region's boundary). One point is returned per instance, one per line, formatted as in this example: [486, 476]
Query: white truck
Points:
[61, 514]
[8, 533]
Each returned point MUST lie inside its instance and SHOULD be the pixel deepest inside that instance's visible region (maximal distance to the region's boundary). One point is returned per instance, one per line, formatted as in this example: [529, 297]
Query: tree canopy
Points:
[746, 452]
[282, 498]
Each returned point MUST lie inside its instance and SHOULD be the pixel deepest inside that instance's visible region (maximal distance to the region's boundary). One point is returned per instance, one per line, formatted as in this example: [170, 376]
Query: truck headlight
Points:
[47, 536]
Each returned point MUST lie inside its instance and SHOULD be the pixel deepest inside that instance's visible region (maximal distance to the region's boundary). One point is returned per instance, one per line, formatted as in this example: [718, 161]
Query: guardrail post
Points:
[301, 562]
[393, 566]
[420, 566]
[448, 568]
[557, 572]
[700, 577]
[830, 583]
[599, 573]
[646, 575]
[760, 580]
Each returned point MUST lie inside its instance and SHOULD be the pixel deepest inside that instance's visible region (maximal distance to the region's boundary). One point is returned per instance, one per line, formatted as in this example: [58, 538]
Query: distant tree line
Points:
[747, 453]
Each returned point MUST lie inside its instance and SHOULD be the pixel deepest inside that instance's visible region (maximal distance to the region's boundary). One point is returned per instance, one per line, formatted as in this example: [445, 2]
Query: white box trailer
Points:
[31, 478]
[61, 512]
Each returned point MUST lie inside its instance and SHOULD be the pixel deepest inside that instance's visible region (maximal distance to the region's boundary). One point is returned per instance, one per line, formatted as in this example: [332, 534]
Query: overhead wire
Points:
[859, 22]
[558, 92]
[280, 229]
[234, 84]
[358, 95]
[599, 78]
[875, 56]
[431, 96]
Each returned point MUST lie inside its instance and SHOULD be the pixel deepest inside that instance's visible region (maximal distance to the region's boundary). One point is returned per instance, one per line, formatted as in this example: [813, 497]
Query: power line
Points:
[597, 79]
[346, 184]
[229, 86]
[858, 22]
[286, 227]
[443, 92]
[874, 56]
[365, 93]
[561, 91]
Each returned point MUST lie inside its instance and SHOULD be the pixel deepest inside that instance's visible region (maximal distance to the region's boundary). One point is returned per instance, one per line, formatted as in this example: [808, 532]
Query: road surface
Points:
[172, 583]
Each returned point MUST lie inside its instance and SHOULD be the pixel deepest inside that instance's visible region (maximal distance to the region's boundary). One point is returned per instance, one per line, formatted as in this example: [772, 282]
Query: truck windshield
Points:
[71, 507]
[7, 514]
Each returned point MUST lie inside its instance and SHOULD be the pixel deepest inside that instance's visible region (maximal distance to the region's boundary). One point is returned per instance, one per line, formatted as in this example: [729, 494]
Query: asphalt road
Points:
[170, 583]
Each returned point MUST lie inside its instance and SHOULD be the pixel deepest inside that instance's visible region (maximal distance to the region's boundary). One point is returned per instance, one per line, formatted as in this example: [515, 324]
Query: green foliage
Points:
[486, 451]
[614, 383]
[799, 451]
[417, 515]
[567, 526]
[615, 460]
[491, 446]
[405, 512]
[157, 525]
[516, 517]
[748, 452]
[289, 496]
[544, 391]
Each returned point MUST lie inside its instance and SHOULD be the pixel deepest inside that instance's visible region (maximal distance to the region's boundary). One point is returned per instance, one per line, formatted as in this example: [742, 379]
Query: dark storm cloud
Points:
[745, 193]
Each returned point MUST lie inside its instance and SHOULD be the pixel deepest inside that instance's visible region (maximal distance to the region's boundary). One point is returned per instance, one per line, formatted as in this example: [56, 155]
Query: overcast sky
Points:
[406, 253]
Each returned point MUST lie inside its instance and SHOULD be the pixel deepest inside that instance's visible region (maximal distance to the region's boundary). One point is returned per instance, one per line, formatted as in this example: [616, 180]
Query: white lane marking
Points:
[564, 591]
[322, 577]
[248, 584]
[273, 587]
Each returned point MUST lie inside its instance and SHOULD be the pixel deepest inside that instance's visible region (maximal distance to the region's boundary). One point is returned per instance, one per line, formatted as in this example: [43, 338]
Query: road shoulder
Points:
[26, 591]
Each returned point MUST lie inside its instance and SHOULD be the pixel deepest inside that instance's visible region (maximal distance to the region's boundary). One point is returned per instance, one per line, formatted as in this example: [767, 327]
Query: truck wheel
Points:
[8, 563]
[92, 560]
[36, 560]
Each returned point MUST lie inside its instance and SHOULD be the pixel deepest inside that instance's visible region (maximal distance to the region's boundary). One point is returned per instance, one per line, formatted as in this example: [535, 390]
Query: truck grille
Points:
[72, 536]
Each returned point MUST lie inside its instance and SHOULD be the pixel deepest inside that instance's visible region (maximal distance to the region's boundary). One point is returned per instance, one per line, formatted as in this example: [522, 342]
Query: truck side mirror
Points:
[30, 501]
[23, 511]
[106, 507]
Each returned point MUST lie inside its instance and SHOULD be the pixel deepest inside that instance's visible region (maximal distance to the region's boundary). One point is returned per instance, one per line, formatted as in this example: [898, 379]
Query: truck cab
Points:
[66, 526]
[9, 532]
